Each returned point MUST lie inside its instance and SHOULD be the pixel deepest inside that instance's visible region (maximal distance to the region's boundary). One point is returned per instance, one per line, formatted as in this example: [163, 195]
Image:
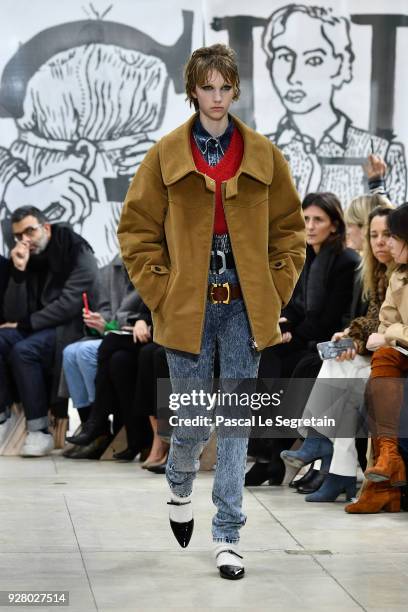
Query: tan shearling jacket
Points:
[166, 228]
[394, 310]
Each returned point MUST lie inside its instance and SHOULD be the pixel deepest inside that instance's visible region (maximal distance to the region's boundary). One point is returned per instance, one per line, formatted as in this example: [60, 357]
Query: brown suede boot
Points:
[388, 465]
[376, 496]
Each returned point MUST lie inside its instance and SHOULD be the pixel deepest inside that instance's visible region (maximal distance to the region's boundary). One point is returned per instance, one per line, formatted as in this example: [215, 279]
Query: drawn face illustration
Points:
[303, 65]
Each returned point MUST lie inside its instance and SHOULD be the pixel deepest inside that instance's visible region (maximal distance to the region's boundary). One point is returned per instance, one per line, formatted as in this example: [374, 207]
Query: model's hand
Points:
[375, 341]
[375, 167]
[8, 326]
[141, 332]
[20, 255]
[286, 337]
[94, 320]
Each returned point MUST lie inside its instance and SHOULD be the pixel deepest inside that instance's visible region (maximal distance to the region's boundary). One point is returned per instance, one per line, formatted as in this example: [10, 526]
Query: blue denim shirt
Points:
[211, 148]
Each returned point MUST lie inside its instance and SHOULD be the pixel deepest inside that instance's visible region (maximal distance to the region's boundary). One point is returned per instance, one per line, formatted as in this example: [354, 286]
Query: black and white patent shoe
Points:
[181, 520]
[229, 563]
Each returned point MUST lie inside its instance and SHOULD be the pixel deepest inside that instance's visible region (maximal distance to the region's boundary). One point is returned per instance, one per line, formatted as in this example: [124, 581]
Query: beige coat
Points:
[394, 310]
[166, 228]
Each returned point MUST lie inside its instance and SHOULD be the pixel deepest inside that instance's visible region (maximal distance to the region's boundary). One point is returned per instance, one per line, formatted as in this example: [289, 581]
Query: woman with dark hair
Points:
[385, 389]
[319, 306]
[352, 367]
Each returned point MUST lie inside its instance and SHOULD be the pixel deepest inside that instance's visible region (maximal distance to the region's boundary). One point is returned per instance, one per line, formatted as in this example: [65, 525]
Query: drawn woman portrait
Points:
[309, 57]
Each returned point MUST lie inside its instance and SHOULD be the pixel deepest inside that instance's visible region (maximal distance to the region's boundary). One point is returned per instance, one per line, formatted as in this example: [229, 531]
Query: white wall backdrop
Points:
[87, 87]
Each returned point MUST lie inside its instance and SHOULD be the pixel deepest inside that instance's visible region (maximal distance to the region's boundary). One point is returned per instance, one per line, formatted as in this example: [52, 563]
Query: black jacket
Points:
[50, 294]
[315, 316]
[4, 277]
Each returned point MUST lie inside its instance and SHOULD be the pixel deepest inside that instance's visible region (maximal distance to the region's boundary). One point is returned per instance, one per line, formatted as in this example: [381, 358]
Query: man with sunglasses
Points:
[51, 266]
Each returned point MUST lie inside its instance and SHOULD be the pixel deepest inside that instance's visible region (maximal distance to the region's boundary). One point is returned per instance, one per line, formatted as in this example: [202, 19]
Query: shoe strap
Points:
[176, 503]
[225, 550]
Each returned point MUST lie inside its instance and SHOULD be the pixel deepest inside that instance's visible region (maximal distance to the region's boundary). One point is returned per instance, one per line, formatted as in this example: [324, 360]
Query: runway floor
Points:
[100, 531]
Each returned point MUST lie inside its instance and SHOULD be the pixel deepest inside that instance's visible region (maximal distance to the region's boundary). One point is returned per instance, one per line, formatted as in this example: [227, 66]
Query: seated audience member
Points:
[352, 364]
[152, 366]
[51, 267]
[321, 301]
[4, 278]
[118, 301]
[384, 394]
[356, 218]
[115, 385]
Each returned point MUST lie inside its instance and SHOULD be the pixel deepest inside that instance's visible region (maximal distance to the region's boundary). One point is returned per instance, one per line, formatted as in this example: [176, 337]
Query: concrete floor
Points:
[100, 531]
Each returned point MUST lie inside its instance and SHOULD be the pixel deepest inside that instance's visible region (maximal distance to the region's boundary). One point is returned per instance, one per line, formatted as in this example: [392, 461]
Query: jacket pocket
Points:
[283, 276]
[160, 276]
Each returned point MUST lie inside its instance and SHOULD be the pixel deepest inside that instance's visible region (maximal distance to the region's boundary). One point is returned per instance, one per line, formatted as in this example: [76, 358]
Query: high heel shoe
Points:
[295, 484]
[311, 449]
[376, 496]
[333, 486]
[314, 483]
[159, 467]
[389, 464]
[148, 464]
[273, 472]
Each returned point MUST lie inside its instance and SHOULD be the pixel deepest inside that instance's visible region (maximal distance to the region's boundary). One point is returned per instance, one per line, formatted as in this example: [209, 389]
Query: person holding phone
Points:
[350, 366]
[320, 302]
[117, 304]
[212, 235]
[104, 372]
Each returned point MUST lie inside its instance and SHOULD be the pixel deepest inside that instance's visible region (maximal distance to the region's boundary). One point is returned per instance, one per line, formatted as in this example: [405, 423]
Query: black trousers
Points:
[116, 381]
[152, 365]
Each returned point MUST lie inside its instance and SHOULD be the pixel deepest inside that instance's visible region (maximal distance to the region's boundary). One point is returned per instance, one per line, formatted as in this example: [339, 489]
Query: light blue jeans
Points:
[80, 362]
[227, 326]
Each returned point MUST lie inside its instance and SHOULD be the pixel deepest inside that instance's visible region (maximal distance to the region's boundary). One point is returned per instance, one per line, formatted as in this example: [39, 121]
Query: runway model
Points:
[213, 238]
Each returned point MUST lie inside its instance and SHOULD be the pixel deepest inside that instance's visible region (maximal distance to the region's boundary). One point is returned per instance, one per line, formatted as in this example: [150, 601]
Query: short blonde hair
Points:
[204, 61]
[359, 209]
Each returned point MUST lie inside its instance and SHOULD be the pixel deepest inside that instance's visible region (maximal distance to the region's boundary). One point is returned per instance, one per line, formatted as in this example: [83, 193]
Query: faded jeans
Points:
[227, 326]
[80, 362]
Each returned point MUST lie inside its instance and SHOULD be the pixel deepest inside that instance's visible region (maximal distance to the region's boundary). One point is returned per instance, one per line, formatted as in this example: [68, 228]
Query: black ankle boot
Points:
[314, 483]
[91, 430]
[126, 455]
[311, 473]
[273, 472]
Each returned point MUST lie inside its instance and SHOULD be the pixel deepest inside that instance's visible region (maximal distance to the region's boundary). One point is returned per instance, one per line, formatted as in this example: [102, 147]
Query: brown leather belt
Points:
[223, 293]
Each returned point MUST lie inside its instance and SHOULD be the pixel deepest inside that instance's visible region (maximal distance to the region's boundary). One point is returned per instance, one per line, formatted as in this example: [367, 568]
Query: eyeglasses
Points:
[29, 232]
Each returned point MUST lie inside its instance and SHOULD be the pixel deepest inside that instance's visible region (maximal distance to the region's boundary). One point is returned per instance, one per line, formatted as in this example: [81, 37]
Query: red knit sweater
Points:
[226, 168]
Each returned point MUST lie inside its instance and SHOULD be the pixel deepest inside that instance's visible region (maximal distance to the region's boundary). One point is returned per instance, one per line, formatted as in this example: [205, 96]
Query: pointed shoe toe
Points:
[182, 532]
[231, 572]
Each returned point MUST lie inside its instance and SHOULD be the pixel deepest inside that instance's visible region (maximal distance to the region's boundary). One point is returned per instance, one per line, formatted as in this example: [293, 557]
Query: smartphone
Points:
[330, 350]
[85, 301]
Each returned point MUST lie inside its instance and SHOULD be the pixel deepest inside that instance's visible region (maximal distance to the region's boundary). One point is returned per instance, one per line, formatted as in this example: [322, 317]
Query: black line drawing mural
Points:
[85, 97]
[325, 150]
[310, 56]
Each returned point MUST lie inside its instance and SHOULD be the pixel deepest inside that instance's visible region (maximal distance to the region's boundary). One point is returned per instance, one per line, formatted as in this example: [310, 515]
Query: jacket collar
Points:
[177, 159]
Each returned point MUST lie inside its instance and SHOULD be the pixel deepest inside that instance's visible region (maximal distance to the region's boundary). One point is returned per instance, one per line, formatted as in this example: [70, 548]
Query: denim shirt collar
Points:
[212, 148]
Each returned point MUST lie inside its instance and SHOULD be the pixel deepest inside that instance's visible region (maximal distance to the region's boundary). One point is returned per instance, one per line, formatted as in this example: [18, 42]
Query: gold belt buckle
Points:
[227, 286]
